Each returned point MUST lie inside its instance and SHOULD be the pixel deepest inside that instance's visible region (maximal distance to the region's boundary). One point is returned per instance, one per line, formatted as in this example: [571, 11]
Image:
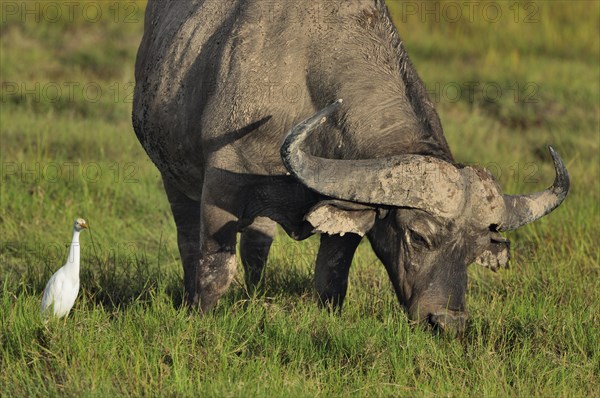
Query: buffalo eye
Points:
[418, 239]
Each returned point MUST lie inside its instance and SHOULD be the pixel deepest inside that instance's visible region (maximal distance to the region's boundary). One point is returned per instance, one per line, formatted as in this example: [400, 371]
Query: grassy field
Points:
[506, 84]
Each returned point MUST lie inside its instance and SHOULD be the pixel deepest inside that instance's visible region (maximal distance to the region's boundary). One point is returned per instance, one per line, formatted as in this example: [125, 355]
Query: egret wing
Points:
[52, 290]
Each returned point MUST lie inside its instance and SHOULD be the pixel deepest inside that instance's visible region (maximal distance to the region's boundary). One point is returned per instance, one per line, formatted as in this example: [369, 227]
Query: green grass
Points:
[534, 327]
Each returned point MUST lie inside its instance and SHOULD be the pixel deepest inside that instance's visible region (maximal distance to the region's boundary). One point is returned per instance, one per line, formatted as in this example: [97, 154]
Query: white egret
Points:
[62, 288]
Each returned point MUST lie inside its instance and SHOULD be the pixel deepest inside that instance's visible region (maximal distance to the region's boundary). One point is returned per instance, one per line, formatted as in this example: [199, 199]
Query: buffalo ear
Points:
[337, 217]
[496, 254]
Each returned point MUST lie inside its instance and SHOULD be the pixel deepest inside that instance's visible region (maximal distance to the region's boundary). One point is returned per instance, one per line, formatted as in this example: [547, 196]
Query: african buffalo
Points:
[211, 111]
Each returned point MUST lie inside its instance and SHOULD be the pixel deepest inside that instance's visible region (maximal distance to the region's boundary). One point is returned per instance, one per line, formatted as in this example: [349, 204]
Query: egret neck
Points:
[74, 255]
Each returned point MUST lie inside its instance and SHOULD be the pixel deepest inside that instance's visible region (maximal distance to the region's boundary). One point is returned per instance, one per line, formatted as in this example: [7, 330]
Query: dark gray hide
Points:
[218, 86]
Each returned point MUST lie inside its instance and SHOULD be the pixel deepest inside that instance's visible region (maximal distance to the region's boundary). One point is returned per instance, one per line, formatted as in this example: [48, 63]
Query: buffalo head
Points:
[426, 219]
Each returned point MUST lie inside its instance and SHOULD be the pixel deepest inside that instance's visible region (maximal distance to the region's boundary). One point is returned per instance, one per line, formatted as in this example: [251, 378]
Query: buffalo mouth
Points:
[448, 321]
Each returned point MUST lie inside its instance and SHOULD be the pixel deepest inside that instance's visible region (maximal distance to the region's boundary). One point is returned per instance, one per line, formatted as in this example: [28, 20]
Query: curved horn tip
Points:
[562, 181]
[329, 109]
[315, 120]
[555, 156]
[523, 209]
[320, 116]
[298, 133]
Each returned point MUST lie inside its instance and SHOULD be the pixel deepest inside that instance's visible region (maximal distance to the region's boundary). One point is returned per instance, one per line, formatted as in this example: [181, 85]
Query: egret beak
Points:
[84, 225]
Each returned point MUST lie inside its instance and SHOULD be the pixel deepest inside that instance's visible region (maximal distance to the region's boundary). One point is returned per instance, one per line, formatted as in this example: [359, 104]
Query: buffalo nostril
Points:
[449, 321]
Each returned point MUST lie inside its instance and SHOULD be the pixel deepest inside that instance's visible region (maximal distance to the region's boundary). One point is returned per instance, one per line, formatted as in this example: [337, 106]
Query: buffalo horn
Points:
[415, 181]
[523, 209]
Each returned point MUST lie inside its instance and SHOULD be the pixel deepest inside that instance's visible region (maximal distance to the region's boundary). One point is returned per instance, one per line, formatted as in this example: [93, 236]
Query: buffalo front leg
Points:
[217, 264]
[255, 243]
[332, 268]
[186, 213]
